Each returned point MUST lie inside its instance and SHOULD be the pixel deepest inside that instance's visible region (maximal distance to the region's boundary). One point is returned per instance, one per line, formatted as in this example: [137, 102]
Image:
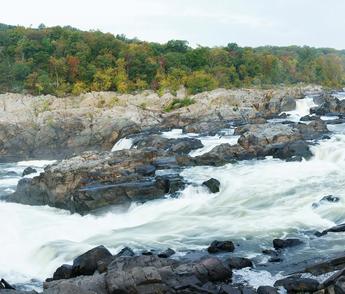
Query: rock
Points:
[239, 262]
[167, 253]
[282, 244]
[125, 252]
[267, 290]
[228, 289]
[94, 284]
[5, 285]
[326, 266]
[332, 279]
[212, 184]
[86, 264]
[29, 170]
[95, 180]
[313, 130]
[221, 246]
[212, 269]
[8, 291]
[288, 103]
[339, 287]
[335, 229]
[328, 198]
[63, 272]
[209, 128]
[296, 284]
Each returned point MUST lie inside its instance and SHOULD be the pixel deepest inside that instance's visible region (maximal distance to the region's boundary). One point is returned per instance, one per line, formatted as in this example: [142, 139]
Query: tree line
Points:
[64, 60]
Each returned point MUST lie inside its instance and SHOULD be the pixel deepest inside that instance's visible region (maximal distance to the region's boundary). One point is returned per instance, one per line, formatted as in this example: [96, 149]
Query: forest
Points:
[64, 60]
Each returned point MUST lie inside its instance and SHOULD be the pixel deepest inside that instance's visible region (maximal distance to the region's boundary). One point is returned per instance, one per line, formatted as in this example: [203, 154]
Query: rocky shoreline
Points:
[150, 170]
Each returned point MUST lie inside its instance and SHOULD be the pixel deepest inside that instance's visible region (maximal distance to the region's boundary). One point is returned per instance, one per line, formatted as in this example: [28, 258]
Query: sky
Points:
[316, 23]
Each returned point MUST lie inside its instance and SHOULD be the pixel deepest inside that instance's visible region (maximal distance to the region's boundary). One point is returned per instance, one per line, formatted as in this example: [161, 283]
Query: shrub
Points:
[179, 103]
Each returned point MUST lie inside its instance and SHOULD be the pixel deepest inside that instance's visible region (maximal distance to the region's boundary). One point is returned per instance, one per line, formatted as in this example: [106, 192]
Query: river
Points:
[259, 200]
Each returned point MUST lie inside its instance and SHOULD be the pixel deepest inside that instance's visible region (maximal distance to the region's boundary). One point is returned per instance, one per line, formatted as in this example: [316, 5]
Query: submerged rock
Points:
[335, 229]
[239, 262]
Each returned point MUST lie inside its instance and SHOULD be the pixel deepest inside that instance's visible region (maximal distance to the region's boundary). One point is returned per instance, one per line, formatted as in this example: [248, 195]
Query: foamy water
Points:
[258, 201]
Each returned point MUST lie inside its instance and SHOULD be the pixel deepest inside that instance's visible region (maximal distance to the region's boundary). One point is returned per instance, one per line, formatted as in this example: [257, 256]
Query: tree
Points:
[200, 81]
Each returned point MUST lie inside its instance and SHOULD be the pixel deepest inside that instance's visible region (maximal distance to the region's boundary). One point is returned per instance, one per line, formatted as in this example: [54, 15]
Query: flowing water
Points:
[259, 200]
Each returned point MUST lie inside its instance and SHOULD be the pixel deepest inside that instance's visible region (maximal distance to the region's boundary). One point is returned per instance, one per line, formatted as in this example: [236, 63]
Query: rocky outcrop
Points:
[144, 274]
[95, 180]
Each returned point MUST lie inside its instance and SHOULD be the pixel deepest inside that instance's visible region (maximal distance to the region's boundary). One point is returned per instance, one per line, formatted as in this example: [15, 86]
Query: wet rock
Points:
[332, 279]
[221, 246]
[125, 252]
[9, 291]
[313, 130]
[275, 259]
[166, 253]
[86, 264]
[339, 287]
[95, 180]
[209, 128]
[326, 266]
[239, 262]
[282, 244]
[29, 170]
[297, 284]
[5, 285]
[212, 184]
[328, 198]
[63, 272]
[229, 289]
[267, 290]
[336, 229]
[309, 118]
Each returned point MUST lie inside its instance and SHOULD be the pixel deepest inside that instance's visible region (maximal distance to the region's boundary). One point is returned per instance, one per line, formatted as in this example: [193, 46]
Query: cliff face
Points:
[47, 127]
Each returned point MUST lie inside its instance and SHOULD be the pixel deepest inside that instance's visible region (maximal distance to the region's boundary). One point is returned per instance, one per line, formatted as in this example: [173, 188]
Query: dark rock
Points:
[167, 253]
[212, 184]
[336, 229]
[146, 170]
[228, 289]
[5, 285]
[221, 246]
[210, 128]
[239, 262]
[63, 272]
[328, 198]
[267, 290]
[247, 290]
[326, 266]
[339, 287]
[126, 252]
[281, 244]
[297, 284]
[86, 264]
[332, 279]
[275, 259]
[29, 170]
[212, 269]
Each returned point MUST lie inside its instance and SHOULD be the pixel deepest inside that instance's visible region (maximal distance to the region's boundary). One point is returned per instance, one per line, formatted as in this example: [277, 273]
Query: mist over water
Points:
[259, 200]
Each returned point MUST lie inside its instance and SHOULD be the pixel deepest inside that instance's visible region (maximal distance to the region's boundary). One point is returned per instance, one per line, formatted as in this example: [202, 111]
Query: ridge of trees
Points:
[63, 60]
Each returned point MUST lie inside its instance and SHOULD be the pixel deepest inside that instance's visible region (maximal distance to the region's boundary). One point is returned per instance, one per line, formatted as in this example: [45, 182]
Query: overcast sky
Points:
[316, 23]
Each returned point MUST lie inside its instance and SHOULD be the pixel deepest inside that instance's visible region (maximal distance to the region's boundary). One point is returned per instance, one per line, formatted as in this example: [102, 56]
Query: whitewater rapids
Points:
[259, 200]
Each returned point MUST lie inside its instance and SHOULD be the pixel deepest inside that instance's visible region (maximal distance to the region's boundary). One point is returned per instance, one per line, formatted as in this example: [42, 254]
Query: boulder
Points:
[297, 284]
[94, 284]
[267, 290]
[166, 253]
[221, 246]
[282, 244]
[63, 272]
[212, 269]
[86, 264]
[212, 185]
[125, 252]
[239, 262]
[29, 170]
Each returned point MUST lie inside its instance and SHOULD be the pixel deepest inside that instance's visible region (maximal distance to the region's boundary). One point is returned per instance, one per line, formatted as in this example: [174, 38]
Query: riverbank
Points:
[47, 127]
